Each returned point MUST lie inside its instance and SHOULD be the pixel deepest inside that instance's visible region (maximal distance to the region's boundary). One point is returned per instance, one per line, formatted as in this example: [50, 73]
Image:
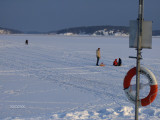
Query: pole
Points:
[140, 21]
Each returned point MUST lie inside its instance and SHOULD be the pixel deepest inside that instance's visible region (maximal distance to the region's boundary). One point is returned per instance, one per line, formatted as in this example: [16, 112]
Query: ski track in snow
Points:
[55, 77]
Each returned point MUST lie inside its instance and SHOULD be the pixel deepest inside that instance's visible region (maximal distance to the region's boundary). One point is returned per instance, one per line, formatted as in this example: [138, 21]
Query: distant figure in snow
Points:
[115, 63]
[119, 62]
[98, 55]
[26, 42]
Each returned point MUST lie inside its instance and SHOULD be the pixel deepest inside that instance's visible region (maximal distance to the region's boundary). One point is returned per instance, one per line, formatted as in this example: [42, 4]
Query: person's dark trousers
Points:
[97, 60]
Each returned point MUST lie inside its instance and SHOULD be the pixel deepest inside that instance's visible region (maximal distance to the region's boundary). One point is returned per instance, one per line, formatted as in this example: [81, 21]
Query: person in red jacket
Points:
[115, 63]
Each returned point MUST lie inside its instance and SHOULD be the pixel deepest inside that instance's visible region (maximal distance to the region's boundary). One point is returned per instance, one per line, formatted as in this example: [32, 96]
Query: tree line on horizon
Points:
[92, 29]
[80, 30]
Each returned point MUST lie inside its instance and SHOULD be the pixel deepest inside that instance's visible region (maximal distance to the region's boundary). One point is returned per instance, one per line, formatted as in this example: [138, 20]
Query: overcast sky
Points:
[49, 15]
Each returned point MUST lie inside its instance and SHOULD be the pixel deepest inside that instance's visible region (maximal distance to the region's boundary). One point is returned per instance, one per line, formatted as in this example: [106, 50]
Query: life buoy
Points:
[152, 82]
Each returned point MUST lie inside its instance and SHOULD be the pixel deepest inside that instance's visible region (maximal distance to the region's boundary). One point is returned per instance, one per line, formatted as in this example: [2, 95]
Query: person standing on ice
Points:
[98, 55]
[26, 42]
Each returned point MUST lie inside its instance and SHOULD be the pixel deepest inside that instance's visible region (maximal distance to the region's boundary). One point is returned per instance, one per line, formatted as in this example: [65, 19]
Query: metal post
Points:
[140, 21]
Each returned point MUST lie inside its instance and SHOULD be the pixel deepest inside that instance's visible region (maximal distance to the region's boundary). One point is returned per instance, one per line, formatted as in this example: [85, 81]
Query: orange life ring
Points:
[152, 82]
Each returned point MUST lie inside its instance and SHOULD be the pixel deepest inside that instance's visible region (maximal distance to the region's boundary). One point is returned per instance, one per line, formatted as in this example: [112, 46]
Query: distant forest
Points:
[156, 33]
[93, 29]
[78, 30]
[10, 31]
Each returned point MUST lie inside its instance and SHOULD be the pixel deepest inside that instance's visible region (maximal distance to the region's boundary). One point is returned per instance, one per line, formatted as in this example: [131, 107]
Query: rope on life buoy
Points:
[152, 82]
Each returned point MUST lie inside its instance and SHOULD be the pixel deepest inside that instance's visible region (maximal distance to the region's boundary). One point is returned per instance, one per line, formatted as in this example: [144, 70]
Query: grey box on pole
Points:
[146, 34]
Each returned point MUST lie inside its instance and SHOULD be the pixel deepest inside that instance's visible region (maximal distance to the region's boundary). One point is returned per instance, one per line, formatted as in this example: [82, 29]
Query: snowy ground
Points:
[55, 78]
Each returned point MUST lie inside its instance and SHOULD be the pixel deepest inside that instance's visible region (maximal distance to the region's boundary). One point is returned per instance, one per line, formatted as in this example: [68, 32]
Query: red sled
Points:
[102, 65]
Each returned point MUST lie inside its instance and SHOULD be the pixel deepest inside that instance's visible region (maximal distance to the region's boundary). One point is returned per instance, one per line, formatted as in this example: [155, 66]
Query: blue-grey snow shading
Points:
[55, 77]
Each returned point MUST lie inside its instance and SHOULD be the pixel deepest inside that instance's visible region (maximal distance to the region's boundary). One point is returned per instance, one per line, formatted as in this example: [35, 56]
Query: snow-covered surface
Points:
[55, 78]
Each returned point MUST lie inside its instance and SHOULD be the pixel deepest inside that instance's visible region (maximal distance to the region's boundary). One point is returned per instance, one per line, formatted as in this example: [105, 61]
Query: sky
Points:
[52, 15]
